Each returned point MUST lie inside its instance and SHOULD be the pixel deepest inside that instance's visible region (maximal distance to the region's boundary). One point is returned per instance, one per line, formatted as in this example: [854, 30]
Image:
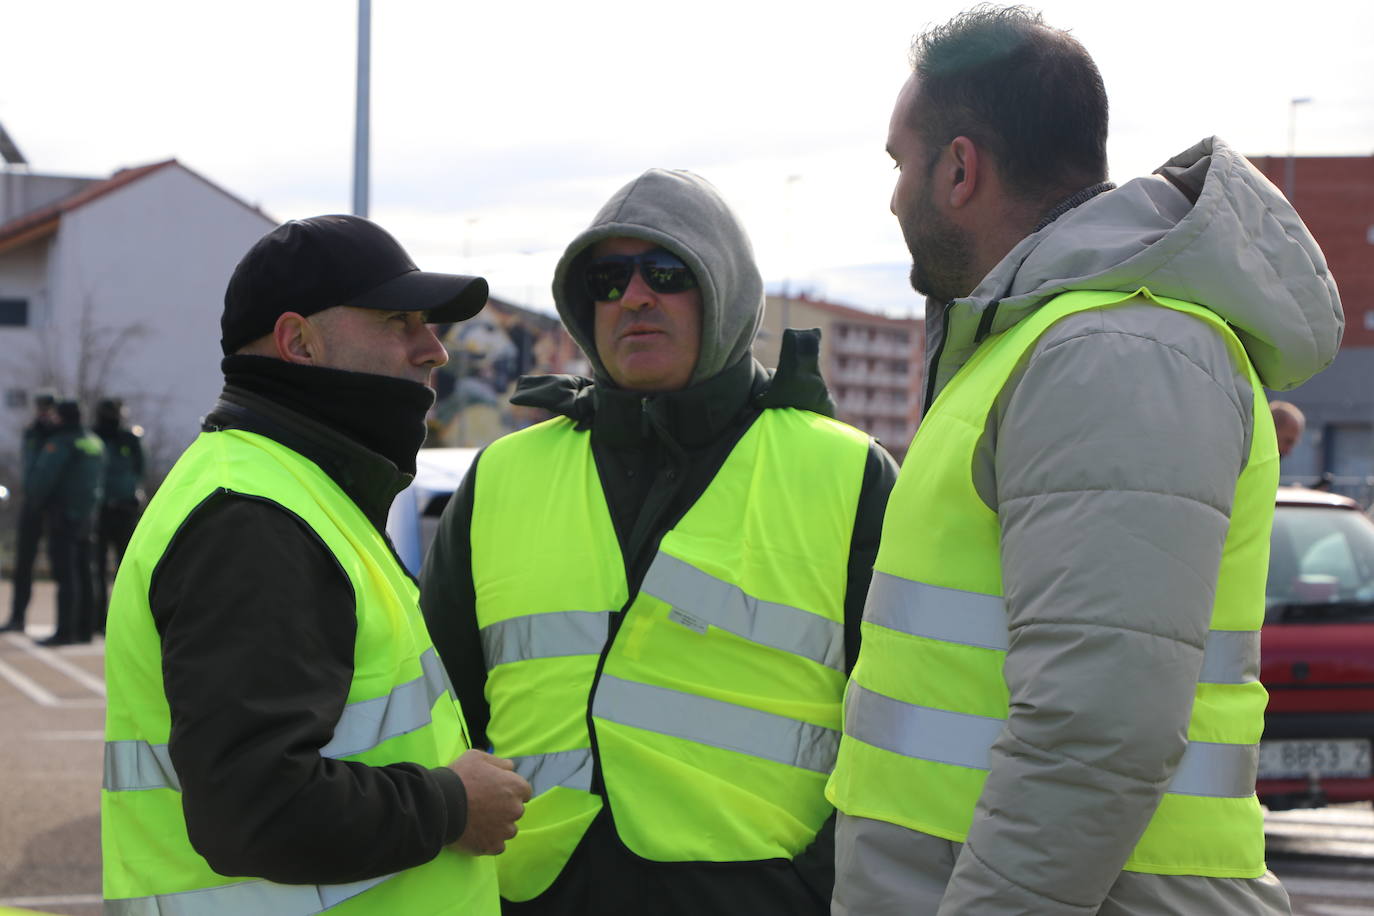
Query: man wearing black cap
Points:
[280, 734]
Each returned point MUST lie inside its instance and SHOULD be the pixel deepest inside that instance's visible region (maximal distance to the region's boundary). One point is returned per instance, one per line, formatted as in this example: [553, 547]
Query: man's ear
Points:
[967, 165]
[296, 339]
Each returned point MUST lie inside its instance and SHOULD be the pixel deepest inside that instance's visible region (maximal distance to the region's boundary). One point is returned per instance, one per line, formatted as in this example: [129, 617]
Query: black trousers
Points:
[116, 526]
[30, 532]
[70, 546]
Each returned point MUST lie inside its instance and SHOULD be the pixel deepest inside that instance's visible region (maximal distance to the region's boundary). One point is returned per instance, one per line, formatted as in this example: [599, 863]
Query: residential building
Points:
[871, 363]
[113, 288]
[1335, 197]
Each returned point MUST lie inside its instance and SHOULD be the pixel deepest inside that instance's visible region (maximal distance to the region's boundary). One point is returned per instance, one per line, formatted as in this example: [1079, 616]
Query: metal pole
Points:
[361, 135]
[1290, 167]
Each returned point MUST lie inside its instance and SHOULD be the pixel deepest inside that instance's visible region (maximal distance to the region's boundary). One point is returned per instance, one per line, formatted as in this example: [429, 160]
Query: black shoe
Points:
[56, 639]
[14, 626]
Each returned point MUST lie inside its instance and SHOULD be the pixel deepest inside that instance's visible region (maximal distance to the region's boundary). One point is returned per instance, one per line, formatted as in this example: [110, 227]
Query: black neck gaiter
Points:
[380, 413]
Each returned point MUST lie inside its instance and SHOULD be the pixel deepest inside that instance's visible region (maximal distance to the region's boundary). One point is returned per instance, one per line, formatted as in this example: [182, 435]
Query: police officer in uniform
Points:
[67, 481]
[122, 495]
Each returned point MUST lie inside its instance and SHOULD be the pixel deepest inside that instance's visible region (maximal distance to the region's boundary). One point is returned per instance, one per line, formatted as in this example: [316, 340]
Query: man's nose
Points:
[638, 295]
[430, 350]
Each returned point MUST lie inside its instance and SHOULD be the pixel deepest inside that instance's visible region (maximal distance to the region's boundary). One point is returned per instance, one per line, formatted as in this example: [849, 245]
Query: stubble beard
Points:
[941, 253]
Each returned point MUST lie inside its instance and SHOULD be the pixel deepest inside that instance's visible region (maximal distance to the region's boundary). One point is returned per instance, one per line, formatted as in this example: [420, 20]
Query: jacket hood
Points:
[1207, 228]
[686, 215]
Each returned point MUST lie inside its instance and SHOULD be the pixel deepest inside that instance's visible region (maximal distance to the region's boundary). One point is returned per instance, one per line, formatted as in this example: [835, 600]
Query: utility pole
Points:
[361, 134]
[1291, 166]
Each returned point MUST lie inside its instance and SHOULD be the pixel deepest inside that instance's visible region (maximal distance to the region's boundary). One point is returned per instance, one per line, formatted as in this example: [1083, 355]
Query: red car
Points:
[1317, 653]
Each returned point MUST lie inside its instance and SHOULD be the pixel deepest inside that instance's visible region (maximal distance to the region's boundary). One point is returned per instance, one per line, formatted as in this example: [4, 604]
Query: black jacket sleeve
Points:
[880, 473]
[258, 625]
[450, 605]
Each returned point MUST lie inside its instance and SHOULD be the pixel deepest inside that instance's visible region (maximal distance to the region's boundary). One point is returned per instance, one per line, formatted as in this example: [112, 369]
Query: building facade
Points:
[1335, 197]
[113, 288]
[871, 363]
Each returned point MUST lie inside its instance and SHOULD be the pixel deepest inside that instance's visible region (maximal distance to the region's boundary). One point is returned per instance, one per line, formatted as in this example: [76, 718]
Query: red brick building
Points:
[1335, 197]
[871, 363]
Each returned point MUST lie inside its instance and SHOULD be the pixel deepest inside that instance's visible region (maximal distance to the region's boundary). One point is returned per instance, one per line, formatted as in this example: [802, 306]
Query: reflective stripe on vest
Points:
[724, 725]
[971, 619]
[553, 635]
[136, 765]
[960, 739]
[571, 769]
[247, 897]
[727, 606]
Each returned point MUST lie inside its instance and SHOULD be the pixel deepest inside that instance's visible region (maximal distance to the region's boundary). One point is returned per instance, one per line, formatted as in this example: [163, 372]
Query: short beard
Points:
[941, 253]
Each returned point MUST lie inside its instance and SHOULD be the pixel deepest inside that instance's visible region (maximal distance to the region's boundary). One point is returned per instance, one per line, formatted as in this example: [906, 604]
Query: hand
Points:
[496, 799]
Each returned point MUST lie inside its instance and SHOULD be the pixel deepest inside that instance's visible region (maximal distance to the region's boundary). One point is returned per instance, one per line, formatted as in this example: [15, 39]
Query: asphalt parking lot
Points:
[52, 704]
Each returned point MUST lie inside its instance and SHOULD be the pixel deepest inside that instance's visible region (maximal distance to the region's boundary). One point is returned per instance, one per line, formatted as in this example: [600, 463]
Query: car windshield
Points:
[1321, 565]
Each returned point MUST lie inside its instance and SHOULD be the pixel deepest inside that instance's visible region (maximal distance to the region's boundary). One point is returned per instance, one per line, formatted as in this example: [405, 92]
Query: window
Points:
[14, 313]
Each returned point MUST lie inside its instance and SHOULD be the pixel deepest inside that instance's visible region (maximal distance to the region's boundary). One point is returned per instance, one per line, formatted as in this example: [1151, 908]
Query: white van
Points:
[415, 512]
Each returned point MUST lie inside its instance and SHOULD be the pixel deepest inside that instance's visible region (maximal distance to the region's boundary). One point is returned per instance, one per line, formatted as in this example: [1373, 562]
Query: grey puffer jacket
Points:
[1111, 458]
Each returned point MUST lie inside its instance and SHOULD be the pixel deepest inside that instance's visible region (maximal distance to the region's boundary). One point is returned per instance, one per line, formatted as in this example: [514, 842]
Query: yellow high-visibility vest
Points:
[715, 711]
[928, 699]
[149, 863]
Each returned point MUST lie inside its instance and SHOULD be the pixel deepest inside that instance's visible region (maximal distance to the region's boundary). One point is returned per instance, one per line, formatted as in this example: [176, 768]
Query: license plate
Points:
[1345, 757]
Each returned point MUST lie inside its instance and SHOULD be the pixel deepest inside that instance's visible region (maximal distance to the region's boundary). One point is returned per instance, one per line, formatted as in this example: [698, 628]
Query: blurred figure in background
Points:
[66, 484]
[1289, 424]
[30, 528]
[123, 493]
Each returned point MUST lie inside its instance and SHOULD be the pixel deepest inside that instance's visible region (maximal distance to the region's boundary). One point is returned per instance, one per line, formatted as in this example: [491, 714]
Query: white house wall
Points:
[154, 256]
[23, 275]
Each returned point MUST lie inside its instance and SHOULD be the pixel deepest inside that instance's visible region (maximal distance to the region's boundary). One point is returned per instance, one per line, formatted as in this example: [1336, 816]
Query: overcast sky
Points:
[498, 129]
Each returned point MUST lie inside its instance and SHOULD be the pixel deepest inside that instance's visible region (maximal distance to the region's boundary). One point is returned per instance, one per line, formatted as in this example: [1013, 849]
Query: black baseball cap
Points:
[309, 265]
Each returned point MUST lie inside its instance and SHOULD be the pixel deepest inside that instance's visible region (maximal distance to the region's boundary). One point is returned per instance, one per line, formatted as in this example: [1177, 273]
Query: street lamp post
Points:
[361, 131]
[1290, 167]
[787, 245]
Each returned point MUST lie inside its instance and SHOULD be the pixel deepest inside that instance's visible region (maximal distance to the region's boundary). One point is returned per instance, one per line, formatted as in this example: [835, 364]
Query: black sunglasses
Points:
[607, 278]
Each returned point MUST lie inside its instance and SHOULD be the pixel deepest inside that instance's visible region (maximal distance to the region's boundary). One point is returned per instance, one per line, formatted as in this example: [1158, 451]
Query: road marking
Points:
[27, 687]
[52, 659]
[1351, 812]
[61, 900]
[1354, 889]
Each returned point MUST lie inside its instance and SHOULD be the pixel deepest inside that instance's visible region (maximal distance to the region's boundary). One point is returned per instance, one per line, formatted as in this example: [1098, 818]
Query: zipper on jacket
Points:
[933, 363]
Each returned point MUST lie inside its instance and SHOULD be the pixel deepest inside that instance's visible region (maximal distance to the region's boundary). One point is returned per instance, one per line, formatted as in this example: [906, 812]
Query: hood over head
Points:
[1207, 228]
[682, 213]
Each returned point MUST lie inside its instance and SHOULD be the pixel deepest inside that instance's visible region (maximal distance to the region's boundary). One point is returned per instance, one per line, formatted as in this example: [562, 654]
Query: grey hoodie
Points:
[1207, 227]
[1111, 459]
[684, 214]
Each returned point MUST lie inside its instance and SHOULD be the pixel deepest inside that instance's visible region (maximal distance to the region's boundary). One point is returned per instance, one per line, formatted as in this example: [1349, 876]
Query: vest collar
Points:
[366, 477]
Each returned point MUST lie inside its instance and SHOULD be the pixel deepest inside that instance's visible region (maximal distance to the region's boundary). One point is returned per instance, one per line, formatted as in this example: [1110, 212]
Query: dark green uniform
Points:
[67, 482]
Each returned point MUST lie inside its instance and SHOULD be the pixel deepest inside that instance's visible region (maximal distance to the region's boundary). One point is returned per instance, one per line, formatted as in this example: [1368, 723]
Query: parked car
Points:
[1317, 653]
[415, 511]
